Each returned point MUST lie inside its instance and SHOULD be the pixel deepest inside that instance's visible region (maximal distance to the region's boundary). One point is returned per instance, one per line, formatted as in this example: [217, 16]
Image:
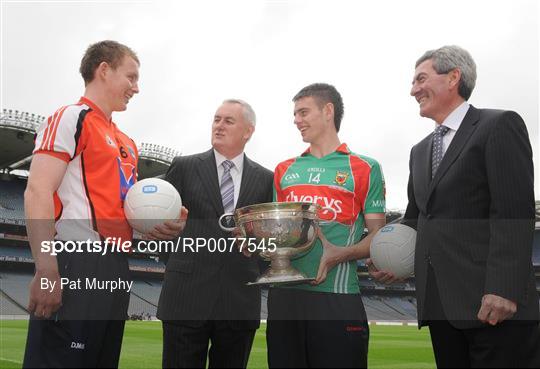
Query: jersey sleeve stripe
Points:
[358, 165]
[336, 280]
[367, 191]
[45, 137]
[50, 127]
[55, 128]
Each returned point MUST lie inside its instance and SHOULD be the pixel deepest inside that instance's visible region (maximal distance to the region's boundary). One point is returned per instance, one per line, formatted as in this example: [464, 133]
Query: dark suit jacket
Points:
[211, 285]
[475, 219]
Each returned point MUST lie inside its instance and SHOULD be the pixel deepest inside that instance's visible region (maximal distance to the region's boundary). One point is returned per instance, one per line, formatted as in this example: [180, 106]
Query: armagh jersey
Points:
[352, 185]
[102, 166]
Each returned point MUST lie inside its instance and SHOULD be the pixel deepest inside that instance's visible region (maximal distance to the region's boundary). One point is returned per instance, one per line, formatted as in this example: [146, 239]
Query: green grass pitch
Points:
[389, 346]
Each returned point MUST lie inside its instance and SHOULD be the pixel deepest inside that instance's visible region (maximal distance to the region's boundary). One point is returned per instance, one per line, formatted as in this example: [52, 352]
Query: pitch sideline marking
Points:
[11, 361]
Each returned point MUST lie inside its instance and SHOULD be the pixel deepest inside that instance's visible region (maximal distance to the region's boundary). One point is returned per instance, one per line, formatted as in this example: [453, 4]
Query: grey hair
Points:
[452, 57]
[249, 113]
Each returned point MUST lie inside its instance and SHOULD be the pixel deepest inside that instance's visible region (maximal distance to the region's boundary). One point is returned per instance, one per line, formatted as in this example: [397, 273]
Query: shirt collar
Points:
[238, 160]
[93, 106]
[454, 119]
[343, 149]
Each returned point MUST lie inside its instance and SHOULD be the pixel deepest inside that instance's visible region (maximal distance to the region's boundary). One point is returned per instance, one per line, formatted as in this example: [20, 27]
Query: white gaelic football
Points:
[150, 202]
[392, 250]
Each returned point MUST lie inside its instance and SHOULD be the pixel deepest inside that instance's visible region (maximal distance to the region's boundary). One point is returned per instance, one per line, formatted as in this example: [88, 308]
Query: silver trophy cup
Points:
[282, 231]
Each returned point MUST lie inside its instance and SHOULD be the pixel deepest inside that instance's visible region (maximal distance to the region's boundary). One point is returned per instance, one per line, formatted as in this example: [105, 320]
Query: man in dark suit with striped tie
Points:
[205, 299]
[471, 199]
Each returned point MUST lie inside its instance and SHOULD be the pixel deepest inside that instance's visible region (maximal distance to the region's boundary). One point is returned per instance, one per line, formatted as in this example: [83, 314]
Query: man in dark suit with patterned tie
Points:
[471, 199]
[205, 299]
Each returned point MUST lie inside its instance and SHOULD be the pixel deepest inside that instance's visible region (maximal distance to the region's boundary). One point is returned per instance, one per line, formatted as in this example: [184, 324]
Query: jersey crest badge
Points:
[127, 177]
[109, 140]
[341, 178]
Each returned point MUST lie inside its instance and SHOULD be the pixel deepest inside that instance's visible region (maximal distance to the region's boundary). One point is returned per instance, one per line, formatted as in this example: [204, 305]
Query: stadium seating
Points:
[8, 308]
[146, 265]
[536, 248]
[140, 307]
[16, 253]
[15, 285]
[148, 290]
[384, 308]
[11, 200]
[406, 305]
[14, 294]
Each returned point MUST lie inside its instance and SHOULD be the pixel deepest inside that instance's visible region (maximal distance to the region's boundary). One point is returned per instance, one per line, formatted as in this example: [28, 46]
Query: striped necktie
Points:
[227, 187]
[437, 153]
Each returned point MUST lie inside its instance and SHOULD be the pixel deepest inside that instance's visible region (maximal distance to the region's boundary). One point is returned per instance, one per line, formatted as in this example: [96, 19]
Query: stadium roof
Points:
[17, 130]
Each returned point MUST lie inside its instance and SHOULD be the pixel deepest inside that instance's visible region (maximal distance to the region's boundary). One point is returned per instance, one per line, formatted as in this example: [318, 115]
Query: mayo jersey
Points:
[102, 166]
[352, 185]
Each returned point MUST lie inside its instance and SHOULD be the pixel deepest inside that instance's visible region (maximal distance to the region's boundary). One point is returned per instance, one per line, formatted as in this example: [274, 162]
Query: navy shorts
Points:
[316, 330]
[87, 331]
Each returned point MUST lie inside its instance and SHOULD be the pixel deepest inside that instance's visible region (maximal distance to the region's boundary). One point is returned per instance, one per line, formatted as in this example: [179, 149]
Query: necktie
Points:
[227, 187]
[437, 153]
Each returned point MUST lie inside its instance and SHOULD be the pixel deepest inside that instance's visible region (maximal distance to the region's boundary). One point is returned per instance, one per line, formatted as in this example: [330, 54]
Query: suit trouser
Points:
[185, 346]
[509, 344]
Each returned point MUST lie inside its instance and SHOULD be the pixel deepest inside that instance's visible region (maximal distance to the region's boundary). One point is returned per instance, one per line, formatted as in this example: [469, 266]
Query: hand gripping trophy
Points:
[286, 229]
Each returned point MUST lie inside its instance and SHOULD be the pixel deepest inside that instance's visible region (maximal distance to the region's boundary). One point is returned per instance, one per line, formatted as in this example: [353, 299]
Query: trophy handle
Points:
[324, 222]
[226, 229]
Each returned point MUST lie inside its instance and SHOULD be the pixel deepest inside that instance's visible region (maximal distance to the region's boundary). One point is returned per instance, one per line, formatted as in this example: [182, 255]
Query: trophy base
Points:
[281, 277]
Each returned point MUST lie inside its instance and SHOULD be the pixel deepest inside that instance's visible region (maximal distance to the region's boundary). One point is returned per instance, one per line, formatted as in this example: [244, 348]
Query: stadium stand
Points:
[10, 309]
[16, 254]
[405, 305]
[139, 307]
[17, 129]
[146, 265]
[15, 285]
[536, 248]
[11, 201]
[154, 160]
[148, 290]
[381, 308]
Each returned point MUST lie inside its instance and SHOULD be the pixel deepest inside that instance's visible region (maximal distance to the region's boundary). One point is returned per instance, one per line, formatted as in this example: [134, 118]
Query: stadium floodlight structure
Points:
[158, 152]
[154, 160]
[20, 120]
[17, 130]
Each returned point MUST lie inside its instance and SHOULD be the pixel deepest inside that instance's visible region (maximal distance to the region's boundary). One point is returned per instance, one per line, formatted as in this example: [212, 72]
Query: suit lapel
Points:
[421, 172]
[209, 179]
[249, 180]
[424, 163]
[463, 134]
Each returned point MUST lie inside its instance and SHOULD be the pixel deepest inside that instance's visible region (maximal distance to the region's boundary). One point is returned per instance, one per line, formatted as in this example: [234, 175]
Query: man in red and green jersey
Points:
[323, 324]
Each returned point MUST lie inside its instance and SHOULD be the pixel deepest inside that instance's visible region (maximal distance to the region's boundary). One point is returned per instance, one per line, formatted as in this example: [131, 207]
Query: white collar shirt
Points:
[453, 121]
[236, 171]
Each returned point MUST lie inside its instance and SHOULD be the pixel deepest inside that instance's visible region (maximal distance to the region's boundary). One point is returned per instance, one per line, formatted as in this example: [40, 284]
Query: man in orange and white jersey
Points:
[82, 168]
